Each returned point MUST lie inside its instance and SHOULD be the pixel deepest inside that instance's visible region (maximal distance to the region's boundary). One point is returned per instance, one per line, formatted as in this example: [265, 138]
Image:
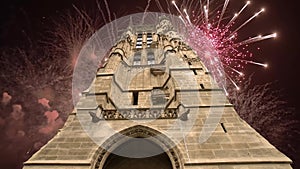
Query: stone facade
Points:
[154, 86]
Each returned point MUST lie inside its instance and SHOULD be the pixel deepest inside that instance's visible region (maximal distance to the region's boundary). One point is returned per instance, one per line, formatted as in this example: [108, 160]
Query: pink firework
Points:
[215, 40]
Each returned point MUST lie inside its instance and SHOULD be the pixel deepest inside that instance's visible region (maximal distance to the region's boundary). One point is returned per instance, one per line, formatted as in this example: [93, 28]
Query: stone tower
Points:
[153, 104]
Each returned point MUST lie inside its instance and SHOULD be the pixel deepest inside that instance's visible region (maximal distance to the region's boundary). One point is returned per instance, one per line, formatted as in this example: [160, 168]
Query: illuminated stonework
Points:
[154, 87]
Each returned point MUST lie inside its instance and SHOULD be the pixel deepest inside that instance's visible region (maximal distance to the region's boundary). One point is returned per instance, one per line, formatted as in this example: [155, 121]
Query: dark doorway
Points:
[138, 147]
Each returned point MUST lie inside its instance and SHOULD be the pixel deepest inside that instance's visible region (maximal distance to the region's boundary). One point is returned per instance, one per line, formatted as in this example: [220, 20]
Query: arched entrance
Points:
[136, 148]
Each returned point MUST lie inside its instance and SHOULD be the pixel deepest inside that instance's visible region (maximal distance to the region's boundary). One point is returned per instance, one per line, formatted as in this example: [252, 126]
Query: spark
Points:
[226, 92]
[207, 5]
[236, 71]
[223, 56]
[251, 62]
[256, 39]
[174, 3]
[223, 11]
[180, 17]
[249, 20]
[266, 65]
[259, 64]
[206, 14]
[234, 83]
[239, 13]
[187, 16]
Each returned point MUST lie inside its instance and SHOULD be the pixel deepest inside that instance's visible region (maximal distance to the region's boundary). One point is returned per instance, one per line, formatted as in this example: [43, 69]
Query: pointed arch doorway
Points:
[137, 147]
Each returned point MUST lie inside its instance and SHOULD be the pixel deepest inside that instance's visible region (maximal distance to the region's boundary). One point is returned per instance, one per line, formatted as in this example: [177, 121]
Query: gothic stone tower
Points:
[153, 104]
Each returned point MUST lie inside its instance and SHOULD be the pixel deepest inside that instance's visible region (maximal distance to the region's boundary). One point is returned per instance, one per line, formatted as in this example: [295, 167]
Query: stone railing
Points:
[134, 114]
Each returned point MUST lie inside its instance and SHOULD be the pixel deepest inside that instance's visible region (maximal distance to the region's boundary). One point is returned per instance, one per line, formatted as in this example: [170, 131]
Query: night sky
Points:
[282, 54]
[21, 20]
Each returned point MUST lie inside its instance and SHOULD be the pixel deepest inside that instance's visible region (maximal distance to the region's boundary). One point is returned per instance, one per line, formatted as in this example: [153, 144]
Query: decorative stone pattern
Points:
[178, 74]
[136, 114]
[139, 131]
[140, 114]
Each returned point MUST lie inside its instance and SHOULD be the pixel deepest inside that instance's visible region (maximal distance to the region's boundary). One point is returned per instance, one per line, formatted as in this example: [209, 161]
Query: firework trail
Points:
[262, 107]
[146, 9]
[28, 81]
[38, 77]
[219, 48]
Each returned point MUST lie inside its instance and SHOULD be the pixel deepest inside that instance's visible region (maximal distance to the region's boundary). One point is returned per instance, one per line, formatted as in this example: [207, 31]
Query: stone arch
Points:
[157, 137]
[168, 48]
[120, 52]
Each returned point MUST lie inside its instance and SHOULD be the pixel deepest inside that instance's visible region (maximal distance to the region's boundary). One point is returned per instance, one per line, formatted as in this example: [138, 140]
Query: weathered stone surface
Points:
[231, 142]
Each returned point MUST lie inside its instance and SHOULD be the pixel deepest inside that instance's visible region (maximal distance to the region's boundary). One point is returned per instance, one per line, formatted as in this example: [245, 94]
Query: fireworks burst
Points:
[37, 76]
[214, 37]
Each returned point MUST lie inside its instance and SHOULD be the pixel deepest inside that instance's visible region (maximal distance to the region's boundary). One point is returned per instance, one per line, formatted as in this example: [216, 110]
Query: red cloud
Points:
[6, 98]
[44, 102]
[53, 122]
[51, 116]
